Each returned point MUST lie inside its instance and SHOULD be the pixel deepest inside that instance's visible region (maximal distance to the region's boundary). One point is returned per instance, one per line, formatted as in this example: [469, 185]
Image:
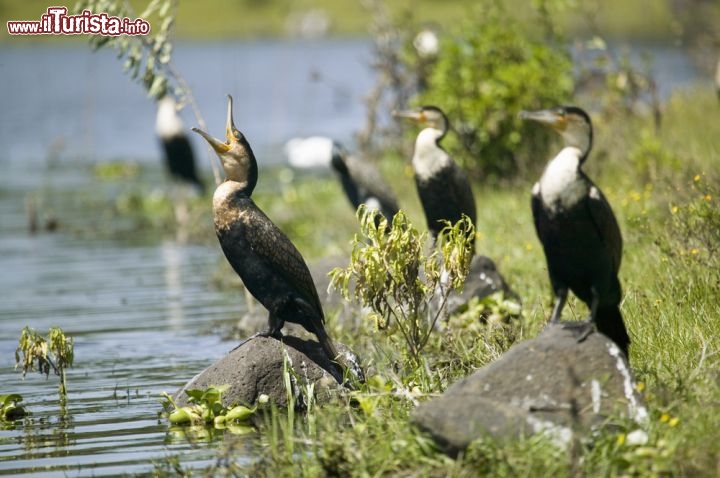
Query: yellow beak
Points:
[219, 146]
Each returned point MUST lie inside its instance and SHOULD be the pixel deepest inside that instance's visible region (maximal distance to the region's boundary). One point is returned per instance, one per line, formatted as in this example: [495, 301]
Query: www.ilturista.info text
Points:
[57, 22]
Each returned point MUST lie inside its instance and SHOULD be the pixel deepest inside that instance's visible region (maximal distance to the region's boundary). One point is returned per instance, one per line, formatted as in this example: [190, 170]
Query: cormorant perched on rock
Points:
[363, 183]
[444, 188]
[269, 265]
[179, 158]
[577, 227]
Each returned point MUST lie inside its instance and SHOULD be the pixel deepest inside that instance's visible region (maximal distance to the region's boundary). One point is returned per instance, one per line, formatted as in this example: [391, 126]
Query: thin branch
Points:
[173, 72]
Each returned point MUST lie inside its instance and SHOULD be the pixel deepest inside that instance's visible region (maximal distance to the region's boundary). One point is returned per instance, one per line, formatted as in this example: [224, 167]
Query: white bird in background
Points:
[310, 152]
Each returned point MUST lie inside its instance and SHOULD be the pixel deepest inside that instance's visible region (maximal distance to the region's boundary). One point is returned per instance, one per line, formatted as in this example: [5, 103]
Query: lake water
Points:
[142, 310]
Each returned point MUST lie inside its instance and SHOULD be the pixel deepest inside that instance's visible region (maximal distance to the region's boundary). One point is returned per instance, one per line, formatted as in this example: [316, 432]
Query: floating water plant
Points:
[54, 352]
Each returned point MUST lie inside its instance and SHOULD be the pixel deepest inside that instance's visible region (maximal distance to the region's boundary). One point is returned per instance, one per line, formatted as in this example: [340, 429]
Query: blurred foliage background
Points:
[223, 19]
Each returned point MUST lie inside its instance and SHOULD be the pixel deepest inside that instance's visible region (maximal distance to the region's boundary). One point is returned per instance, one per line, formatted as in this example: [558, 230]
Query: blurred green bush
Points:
[487, 70]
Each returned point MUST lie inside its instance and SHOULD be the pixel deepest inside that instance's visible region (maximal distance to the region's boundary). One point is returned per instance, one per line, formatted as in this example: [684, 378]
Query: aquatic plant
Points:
[206, 408]
[9, 408]
[54, 352]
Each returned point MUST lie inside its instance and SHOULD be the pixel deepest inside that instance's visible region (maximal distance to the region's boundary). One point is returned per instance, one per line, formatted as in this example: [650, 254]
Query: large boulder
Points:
[257, 367]
[558, 383]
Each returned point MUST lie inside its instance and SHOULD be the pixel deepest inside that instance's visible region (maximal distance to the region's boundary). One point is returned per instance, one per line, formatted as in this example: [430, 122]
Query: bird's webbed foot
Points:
[581, 329]
[257, 334]
[276, 334]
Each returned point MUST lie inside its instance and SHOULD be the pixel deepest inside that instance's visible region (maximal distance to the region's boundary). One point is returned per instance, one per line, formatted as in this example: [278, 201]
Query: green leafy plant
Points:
[488, 70]
[147, 57]
[206, 408]
[9, 409]
[54, 352]
[406, 287]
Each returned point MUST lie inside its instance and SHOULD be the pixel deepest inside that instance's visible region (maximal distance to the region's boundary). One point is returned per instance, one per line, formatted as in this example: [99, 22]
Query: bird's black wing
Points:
[181, 160]
[368, 178]
[274, 248]
[537, 211]
[462, 192]
[606, 224]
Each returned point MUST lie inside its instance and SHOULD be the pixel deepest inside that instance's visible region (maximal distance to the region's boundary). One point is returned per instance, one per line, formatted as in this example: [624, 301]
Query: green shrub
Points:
[405, 286]
[485, 74]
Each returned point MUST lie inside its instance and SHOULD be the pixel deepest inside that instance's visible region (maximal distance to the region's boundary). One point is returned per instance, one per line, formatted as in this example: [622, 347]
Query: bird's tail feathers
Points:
[326, 343]
[610, 323]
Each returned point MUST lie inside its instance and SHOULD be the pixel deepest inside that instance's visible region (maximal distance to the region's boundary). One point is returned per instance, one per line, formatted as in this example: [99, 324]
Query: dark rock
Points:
[553, 384]
[256, 367]
[483, 280]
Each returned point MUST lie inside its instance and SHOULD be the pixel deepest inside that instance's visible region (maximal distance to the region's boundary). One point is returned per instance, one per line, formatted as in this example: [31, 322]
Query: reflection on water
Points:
[137, 312]
[172, 257]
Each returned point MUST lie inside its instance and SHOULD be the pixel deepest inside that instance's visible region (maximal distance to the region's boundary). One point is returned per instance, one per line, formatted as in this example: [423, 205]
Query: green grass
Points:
[667, 205]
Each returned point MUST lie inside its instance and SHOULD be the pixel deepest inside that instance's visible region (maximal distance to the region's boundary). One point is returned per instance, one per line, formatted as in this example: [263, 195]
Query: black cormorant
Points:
[179, 158]
[363, 183]
[443, 187]
[269, 265]
[577, 228]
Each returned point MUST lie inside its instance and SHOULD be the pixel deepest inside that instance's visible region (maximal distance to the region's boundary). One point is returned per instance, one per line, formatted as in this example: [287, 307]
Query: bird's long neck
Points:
[244, 184]
[230, 203]
[580, 140]
[242, 170]
[562, 183]
[429, 156]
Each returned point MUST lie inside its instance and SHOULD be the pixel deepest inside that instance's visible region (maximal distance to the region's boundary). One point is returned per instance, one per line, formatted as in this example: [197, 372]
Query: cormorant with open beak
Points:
[444, 188]
[577, 228]
[363, 183]
[269, 265]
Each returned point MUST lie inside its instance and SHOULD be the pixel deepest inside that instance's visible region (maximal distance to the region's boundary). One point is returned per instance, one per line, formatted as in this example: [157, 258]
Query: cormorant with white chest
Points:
[443, 187]
[577, 228]
[179, 157]
[268, 263]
